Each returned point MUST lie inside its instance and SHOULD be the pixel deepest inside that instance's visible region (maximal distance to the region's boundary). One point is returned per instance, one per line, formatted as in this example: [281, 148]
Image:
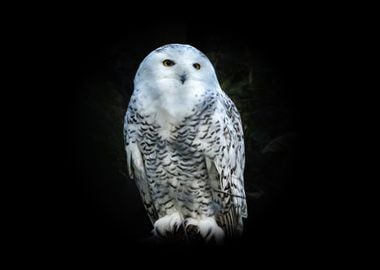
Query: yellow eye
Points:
[168, 63]
[197, 66]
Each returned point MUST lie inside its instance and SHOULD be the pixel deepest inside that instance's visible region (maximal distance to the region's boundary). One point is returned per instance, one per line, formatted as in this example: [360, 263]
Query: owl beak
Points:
[183, 78]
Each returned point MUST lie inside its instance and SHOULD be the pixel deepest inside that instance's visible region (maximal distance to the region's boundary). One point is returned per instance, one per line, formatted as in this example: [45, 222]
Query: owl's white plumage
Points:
[185, 147]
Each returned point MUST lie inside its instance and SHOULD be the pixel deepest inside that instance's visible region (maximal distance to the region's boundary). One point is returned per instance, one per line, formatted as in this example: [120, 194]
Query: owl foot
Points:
[206, 228]
[168, 226]
[193, 235]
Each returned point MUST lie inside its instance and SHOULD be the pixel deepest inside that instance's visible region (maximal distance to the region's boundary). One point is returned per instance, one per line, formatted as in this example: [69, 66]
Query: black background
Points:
[100, 209]
[63, 196]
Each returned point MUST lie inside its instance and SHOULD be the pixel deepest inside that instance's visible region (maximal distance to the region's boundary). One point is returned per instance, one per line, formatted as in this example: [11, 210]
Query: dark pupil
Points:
[168, 63]
[196, 66]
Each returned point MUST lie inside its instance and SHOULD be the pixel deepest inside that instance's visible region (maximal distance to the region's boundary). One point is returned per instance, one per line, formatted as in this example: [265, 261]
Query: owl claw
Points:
[177, 227]
[192, 233]
[192, 229]
[206, 228]
[167, 225]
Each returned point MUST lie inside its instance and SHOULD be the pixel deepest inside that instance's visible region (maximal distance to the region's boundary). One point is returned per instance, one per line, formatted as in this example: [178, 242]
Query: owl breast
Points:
[175, 164]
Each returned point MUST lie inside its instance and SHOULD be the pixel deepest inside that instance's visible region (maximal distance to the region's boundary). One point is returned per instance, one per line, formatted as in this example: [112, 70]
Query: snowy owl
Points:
[185, 147]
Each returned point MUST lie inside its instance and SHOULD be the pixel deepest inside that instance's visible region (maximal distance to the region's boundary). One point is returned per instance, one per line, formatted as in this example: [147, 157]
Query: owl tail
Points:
[232, 223]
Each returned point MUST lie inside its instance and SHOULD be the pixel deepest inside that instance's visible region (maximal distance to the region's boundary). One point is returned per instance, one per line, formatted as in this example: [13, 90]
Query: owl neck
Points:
[169, 107]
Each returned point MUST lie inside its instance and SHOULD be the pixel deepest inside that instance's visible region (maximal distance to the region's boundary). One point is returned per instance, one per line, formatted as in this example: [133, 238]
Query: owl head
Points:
[176, 68]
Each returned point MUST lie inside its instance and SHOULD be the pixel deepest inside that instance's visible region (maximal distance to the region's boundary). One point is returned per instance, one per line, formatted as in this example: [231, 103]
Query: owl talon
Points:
[167, 225]
[206, 228]
[177, 228]
[192, 229]
[193, 235]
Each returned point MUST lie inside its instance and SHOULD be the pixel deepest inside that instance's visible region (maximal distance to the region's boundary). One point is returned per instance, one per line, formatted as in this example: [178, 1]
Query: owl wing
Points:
[133, 122]
[225, 160]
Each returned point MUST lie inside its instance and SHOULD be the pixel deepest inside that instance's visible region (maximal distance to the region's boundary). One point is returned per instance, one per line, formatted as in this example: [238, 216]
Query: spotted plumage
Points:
[185, 147]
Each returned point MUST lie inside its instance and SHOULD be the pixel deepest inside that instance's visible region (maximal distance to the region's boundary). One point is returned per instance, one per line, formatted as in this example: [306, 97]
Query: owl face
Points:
[171, 81]
[176, 68]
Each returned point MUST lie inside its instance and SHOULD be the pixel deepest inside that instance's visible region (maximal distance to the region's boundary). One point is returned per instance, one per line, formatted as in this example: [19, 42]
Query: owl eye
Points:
[197, 66]
[168, 63]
